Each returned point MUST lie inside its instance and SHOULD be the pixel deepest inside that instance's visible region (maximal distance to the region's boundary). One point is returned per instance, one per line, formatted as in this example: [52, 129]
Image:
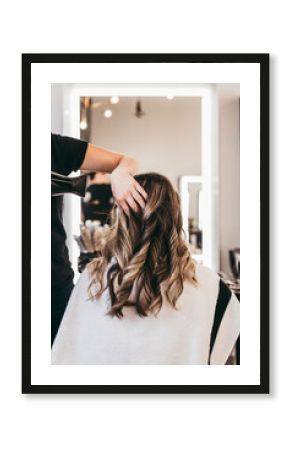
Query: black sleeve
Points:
[67, 154]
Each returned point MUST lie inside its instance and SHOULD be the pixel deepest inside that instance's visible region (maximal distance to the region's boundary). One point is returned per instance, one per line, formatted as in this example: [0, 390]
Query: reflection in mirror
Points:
[194, 218]
[96, 207]
[192, 211]
[98, 200]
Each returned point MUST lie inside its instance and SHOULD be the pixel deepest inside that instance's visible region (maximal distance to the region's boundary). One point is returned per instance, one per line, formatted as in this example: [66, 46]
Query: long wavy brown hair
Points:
[149, 253]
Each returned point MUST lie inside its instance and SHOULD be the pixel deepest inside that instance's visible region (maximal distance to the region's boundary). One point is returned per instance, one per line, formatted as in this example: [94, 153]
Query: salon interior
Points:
[188, 133]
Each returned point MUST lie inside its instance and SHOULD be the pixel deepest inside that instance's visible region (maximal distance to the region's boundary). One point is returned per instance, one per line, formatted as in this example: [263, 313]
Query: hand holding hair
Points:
[127, 191]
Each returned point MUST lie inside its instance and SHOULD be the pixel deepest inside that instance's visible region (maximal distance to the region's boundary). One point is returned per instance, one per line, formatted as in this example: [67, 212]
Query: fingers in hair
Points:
[124, 206]
[139, 199]
[141, 191]
[131, 202]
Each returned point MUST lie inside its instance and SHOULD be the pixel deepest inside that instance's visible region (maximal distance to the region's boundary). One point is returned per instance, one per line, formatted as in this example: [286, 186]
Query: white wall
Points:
[167, 139]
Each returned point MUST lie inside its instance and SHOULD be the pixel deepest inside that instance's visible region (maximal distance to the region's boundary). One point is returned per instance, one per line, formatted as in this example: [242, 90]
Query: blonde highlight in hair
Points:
[150, 253]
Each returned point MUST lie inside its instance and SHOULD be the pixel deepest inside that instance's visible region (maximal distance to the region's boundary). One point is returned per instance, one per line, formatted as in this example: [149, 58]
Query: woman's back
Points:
[201, 330]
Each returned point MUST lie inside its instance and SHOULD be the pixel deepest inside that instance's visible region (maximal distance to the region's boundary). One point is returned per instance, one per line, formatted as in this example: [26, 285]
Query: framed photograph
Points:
[145, 232]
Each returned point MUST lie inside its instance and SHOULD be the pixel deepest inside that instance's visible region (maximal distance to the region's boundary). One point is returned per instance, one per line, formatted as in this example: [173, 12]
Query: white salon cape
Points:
[203, 330]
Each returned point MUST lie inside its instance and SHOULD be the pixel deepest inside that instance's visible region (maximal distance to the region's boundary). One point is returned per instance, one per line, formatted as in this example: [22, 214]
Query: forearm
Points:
[100, 159]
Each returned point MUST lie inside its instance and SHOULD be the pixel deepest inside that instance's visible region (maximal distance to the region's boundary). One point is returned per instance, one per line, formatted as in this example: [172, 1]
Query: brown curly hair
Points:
[150, 253]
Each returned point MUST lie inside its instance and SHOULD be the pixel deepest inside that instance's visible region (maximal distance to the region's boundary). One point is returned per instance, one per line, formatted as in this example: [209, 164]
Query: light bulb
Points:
[83, 125]
[108, 113]
[114, 100]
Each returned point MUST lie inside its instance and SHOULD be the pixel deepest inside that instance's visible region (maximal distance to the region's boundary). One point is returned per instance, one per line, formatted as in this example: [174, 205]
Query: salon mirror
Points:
[163, 133]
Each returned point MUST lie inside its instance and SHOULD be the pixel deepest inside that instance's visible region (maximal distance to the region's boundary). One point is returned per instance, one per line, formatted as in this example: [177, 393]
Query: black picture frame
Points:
[263, 61]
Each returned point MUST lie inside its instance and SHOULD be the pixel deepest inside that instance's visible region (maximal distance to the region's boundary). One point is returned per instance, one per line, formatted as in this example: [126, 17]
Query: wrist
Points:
[118, 175]
[119, 171]
[128, 165]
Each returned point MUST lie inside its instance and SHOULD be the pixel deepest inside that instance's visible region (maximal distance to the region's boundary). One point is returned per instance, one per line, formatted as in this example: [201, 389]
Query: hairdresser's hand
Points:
[126, 191]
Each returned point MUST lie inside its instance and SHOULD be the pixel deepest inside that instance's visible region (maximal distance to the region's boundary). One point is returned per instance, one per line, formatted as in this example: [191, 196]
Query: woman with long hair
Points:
[145, 300]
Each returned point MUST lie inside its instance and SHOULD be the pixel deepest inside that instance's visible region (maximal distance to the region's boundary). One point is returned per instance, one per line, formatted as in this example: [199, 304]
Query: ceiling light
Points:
[83, 119]
[108, 113]
[114, 100]
[83, 125]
